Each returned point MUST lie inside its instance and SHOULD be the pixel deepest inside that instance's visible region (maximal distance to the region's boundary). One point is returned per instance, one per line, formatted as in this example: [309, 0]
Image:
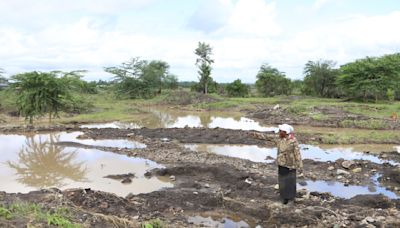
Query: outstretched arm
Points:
[264, 136]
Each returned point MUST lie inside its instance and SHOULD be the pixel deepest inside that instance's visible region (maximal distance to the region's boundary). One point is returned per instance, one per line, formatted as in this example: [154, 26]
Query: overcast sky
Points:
[91, 34]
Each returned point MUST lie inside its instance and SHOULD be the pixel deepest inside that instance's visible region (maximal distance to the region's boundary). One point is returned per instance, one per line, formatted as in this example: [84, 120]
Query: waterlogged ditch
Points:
[318, 153]
[341, 190]
[31, 162]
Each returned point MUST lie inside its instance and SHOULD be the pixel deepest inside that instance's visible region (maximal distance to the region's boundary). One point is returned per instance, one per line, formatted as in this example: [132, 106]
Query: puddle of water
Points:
[258, 154]
[34, 162]
[323, 153]
[167, 118]
[220, 223]
[250, 152]
[371, 148]
[121, 143]
[338, 189]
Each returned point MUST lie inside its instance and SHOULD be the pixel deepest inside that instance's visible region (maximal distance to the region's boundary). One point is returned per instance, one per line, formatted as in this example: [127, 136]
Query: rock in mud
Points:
[121, 176]
[126, 180]
[342, 172]
[330, 168]
[372, 201]
[356, 170]
[348, 164]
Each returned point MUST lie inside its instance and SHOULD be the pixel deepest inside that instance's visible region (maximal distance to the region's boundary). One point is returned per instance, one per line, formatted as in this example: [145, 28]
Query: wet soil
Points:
[332, 117]
[205, 182]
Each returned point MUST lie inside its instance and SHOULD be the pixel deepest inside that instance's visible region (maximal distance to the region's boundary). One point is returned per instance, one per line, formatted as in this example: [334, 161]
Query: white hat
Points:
[286, 128]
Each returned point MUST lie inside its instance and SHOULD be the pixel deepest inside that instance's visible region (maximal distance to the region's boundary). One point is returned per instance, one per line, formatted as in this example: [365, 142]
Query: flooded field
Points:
[34, 162]
[167, 118]
[183, 166]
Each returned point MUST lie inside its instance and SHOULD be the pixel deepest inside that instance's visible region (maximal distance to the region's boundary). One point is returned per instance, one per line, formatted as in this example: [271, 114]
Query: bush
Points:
[237, 89]
[367, 124]
[390, 94]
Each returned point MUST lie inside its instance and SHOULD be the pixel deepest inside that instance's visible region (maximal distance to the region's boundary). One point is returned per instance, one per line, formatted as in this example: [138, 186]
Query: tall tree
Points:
[203, 62]
[270, 81]
[320, 77]
[371, 77]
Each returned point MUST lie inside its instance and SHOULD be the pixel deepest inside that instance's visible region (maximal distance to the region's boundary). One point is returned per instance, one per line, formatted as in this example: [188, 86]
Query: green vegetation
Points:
[34, 214]
[2, 78]
[271, 82]
[366, 124]
[371, 77]
[141, 78]
[320, 78]
[237, 89]
[203, 62]
[40, 93]
[155, 223]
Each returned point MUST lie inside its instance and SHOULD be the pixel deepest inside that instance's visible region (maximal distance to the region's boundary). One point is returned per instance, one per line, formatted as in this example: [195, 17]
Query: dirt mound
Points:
[192, 135]
[182, 97]
[372, 201]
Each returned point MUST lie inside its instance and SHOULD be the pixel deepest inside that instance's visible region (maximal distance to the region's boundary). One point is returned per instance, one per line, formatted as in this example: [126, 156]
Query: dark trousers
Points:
[287, 183]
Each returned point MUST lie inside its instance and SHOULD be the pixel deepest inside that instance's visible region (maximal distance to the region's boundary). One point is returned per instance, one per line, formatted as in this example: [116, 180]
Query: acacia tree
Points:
[40, 93]
[371, 77]
[270, 81]
[203, 62]
[320, 77]
[140, 78]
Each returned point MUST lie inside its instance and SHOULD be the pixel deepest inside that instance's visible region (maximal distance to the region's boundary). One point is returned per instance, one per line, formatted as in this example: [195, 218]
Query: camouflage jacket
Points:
[288, 151]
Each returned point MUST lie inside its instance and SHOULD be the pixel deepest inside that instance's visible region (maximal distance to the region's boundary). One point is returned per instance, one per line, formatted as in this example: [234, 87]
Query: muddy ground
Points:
[325, 116]
[210, 183]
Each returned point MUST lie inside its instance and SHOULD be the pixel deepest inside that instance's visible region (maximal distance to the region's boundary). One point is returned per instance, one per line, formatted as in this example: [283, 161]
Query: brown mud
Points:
[205, 182]
[325, 116]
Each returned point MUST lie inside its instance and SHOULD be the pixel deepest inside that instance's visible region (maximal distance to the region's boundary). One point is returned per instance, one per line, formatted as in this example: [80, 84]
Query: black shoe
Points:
[285, 201]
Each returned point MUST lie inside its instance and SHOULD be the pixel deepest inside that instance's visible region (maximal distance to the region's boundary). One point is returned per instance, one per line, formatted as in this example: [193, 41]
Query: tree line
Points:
[40, 93]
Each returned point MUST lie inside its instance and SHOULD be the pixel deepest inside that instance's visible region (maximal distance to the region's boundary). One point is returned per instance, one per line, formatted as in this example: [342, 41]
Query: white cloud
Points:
[246, 36]
[318, 4]
[241, 17]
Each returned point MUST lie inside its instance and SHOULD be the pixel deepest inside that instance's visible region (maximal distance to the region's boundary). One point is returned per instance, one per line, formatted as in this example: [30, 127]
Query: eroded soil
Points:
[205, 182]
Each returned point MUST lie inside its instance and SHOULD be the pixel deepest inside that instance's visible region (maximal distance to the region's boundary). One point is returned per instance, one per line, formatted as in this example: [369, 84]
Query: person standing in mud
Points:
[288, 160]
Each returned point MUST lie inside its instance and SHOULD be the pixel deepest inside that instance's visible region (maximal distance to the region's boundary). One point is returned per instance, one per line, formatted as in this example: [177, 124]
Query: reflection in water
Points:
[167, 118]
[250, 152]
[32, 162]
[43, 164]
[340, 190]
[120, 143]
[258, 154]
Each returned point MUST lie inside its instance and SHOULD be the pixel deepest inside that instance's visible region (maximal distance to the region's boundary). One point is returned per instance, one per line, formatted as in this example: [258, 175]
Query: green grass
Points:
[319, 117]
[155, 223]
[106, 107]
[352, 136]
[35, 214]
[365, 124]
